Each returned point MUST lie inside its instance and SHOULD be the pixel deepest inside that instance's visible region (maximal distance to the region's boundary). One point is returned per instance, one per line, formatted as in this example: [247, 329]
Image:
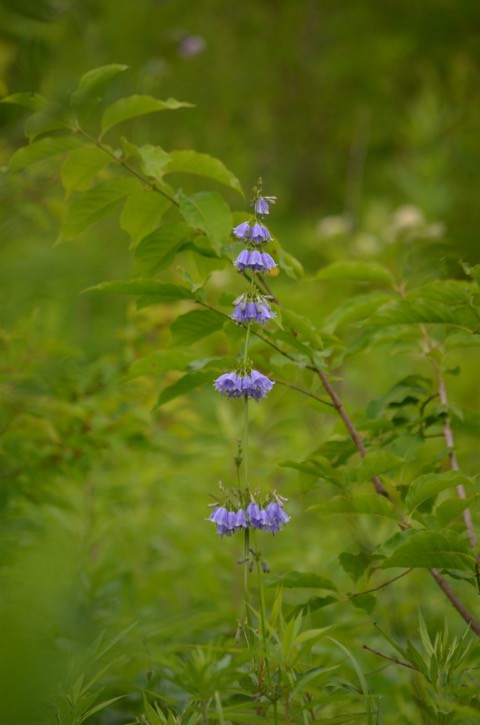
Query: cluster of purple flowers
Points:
[254, 233]
[272, 518]
[251, 307]
[253, 385]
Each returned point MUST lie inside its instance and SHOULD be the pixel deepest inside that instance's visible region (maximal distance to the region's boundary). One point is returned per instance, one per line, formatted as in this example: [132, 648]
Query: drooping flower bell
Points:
[254, 385]
[259, 233]
[262, 204]
[251, 308]
[256, 261]
[242, 231]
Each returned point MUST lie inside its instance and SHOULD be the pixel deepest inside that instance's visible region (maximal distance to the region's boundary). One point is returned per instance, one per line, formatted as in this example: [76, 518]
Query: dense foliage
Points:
[119, 603]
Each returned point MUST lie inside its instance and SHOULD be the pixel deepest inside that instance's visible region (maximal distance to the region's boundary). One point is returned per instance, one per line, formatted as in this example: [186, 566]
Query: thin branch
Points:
[456, 602]
[391, 659]
[381, 586]
[448, 435]
[305, 392]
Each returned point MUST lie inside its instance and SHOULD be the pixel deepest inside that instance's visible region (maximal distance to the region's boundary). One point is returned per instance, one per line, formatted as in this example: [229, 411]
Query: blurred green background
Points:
[348, 110]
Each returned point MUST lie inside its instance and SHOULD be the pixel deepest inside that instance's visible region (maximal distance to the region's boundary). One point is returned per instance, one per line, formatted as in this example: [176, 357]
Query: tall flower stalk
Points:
[245, 508]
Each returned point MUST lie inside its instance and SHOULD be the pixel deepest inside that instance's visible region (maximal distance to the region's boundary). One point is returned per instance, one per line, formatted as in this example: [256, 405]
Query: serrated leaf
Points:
[162, 292]
[43, 149]
[370, 504]
[429, 485]
[186, 384]
[91, 81]
[432, 549]
[301, 580]
[142, 212]
[32, 101]
[134, 106]
[194, 326]
[208, 212]
[81, 167]
[357, 271]
[156, 250]
[90, 206]
[192, 162]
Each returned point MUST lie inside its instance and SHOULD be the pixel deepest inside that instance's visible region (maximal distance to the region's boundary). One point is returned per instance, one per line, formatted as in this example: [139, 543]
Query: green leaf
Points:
[52, 117]
[161, 292]
[444, 302]
[208, 212]
[90, 206]
[156, 251]
[134, 106]
[302, 326]
[192, 162]
[301, 580]
[153, 160]
[374, 464]
[43, 149]
[429, 485]
[370, 504]
[449, 509]
[357, 271]
[355, 565]
[81, 167]
[194, 326]
[290, 264]
[366, 602]
[437, 549]
[359, 308]
[160, 362]
[184, 385]
[32, 101]
[141, 213]
[91, 81]
[312, 605]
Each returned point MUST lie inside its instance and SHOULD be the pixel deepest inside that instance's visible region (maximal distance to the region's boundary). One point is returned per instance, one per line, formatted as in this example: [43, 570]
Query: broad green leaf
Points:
[311, 605]
[449, 509]
[156, 251]
[134, 106]
[141, 213]
[81, 167]
[32, 101]
[290, 264]
[301, 580]
[367, 602]
[184, 385]
[192, 162]
[355, 565]
[374, 464]
[43, 149]
[52, 117]
[437, 549]
[91, 81]
[354, 310]
[194, 326]
[357, 271]
[370, 504]
[317, 466]
[302, 327]
[153, 160]
[429, 485]
[446, 302]
[160, 362]
[90, 206]
[208, 212]
[162, 292]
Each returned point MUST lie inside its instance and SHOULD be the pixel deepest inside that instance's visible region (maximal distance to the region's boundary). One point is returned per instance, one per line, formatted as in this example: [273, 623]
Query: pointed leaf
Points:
[437, 549]
[194, 326]
[156, 251]
[192, 162]
[43, 149]
[370, 504]
[429, 485]
[134, 106]
[162, 292]
[91, 81]
[90, 206]
[449, 509]
[374, 464]
[141, 213]
[357, 271]
[160, 362]
[81, 167]
[32, 101]
[184, 385]
[208, 212]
